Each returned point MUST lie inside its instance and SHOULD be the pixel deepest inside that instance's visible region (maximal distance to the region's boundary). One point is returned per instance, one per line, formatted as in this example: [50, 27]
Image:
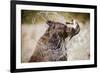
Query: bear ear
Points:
[50, 23]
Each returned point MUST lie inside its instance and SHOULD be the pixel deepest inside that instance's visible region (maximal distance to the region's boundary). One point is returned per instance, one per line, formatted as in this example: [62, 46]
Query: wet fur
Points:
[51, 46]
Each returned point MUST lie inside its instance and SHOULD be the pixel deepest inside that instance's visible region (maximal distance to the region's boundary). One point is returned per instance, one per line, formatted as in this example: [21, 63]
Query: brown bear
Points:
[51, 46]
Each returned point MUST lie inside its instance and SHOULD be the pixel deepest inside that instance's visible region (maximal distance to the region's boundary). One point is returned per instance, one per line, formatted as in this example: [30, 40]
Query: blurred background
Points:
[34, 26]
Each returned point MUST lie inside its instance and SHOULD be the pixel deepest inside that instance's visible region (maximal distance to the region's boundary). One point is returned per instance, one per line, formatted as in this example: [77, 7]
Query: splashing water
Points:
[78, 47]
